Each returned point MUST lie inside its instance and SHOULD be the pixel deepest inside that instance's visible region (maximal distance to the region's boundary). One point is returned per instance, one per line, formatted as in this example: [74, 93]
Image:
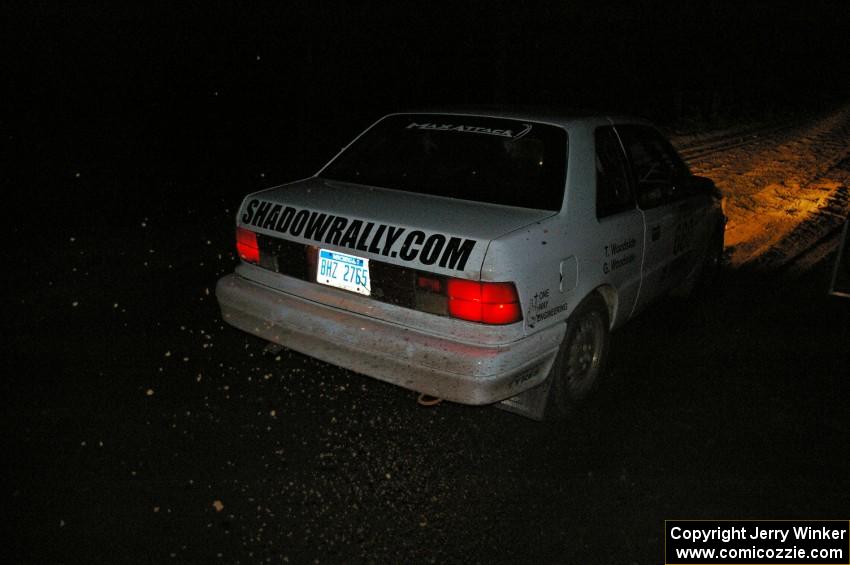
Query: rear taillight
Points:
[246, 245]
[494, 303]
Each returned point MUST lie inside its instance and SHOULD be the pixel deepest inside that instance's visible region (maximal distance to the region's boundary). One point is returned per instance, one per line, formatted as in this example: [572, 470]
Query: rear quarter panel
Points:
[552, 261]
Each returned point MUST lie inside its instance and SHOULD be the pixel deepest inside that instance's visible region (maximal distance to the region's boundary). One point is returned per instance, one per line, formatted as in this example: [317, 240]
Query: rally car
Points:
[479, 257]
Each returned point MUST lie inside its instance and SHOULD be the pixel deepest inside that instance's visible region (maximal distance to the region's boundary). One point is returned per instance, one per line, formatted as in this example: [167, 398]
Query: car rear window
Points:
[493, 160]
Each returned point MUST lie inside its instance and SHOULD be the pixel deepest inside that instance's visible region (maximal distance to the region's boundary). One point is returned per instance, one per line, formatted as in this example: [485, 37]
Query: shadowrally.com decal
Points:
[380, 239]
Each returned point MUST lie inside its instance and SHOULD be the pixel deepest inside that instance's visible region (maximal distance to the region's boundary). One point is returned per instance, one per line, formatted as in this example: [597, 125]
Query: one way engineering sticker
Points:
[379, 239]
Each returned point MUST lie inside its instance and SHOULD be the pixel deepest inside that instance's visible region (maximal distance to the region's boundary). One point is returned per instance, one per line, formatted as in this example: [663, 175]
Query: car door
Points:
[655, 167]
[620, 223]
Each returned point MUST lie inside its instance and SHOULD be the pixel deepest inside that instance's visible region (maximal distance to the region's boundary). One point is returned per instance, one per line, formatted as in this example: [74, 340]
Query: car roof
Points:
[546, 114]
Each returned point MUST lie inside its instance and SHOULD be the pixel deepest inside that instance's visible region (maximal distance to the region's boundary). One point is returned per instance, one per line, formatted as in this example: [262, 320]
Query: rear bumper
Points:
[467, 373]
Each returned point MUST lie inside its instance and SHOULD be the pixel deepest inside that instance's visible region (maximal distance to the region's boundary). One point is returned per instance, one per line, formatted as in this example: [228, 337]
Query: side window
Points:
[654, 163]
[613, 189]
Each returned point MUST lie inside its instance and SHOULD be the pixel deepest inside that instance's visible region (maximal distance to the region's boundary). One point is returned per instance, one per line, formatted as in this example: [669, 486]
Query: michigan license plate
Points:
[343, 271]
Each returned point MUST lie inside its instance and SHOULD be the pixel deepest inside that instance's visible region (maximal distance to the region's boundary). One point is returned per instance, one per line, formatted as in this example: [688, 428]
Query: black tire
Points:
[582, 358]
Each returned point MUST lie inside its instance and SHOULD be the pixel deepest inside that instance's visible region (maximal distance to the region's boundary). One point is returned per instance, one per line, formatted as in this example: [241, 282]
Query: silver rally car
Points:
[477, 257]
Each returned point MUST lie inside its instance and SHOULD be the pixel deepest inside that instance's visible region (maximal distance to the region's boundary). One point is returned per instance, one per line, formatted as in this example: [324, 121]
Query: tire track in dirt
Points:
[793, 156]
[783, 193]
[730, 139]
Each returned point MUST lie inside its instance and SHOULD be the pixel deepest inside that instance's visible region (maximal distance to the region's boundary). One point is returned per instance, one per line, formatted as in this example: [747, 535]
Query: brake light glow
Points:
[494, 303]
[246, 245]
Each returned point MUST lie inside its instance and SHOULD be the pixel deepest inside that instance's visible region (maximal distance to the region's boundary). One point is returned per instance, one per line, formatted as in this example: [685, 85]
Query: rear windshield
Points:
[507, 162]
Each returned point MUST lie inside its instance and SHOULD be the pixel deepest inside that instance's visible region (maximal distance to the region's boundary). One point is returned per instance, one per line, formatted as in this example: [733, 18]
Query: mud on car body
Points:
[477, 257]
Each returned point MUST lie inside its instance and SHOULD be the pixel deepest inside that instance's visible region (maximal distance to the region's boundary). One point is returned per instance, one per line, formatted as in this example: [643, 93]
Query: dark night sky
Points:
[180, 91]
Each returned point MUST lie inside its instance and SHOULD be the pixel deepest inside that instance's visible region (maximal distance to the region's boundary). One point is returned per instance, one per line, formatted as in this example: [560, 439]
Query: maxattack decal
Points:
[428, 126]
[380, 239]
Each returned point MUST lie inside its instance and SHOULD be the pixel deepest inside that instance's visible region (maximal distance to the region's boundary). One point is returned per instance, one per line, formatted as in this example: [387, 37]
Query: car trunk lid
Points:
[410, 230]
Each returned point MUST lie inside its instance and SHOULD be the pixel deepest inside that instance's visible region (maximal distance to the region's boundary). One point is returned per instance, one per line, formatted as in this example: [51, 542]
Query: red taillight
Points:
[485, 302]
[246, 245]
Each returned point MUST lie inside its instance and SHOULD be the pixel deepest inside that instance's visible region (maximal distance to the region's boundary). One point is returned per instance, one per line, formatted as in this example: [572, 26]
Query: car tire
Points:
[582, 358]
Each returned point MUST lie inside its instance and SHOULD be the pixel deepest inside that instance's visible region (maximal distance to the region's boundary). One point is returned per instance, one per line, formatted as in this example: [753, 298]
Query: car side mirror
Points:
[702, 184]
[695, 184]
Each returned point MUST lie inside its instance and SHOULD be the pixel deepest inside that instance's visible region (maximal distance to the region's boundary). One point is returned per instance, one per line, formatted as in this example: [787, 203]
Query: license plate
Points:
[343, 271]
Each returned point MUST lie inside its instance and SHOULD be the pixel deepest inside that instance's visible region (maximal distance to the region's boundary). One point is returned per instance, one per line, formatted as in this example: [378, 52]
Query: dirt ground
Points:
[140, 428]
[784, 191]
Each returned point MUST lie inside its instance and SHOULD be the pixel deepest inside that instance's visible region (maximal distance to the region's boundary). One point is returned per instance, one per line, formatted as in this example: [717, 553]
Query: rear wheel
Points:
[581, 359]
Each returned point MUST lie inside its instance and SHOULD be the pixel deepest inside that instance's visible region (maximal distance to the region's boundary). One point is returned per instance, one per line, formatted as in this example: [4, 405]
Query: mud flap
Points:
[531, 403]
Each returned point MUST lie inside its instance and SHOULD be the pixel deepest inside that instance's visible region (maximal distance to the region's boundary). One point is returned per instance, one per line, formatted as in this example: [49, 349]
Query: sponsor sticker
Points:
[461, 128]
[409, 245]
